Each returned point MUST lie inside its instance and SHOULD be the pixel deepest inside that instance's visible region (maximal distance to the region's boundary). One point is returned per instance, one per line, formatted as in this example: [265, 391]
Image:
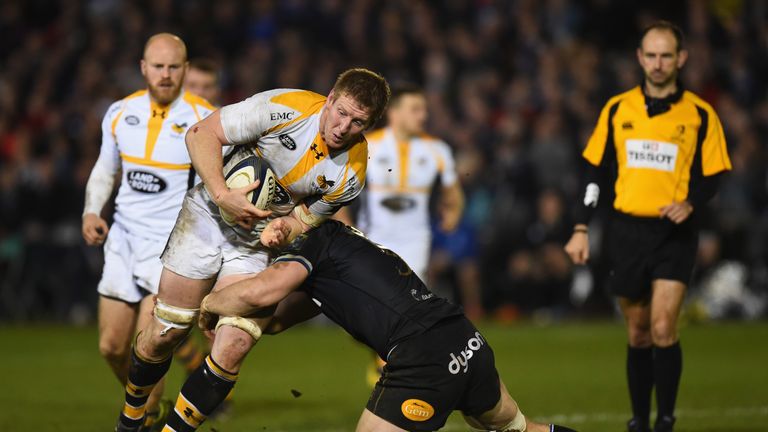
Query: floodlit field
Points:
[54, 380]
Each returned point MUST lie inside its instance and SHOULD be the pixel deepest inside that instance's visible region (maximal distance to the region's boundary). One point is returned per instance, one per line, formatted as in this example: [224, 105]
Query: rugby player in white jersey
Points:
[315, 146]
[405, 163]
[142, 136]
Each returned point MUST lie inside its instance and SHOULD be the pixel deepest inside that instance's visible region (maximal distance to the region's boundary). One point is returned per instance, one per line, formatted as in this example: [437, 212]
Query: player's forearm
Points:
[204, 148]
[99, 188]
[452, 206]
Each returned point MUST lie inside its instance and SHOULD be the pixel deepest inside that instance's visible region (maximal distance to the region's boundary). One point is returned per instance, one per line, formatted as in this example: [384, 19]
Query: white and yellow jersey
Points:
[148, 141]
[400, 178]
[282, 126]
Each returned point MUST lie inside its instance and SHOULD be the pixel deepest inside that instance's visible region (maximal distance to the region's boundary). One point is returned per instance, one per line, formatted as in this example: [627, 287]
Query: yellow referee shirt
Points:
[656, 155]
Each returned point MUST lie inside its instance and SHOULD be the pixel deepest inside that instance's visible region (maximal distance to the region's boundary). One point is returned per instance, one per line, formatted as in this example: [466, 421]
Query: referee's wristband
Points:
[580, 230]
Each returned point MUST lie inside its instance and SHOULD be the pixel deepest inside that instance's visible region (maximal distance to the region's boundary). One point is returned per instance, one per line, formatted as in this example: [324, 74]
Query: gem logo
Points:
[287, 142]
[461, 361]
[144, 182]
[417, 410]
[132, 120]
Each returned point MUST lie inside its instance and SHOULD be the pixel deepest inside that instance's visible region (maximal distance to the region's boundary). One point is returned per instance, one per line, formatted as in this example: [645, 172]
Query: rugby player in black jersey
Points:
[437, 361]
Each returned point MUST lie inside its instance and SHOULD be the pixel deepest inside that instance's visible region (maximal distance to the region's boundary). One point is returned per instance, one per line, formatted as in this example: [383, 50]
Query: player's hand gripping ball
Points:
[243, 174]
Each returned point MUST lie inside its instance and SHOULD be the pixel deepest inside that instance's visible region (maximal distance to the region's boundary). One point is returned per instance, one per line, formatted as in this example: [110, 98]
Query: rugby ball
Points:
[246, 172]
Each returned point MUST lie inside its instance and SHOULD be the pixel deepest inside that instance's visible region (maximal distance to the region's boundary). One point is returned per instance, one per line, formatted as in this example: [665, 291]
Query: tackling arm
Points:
[251, 295]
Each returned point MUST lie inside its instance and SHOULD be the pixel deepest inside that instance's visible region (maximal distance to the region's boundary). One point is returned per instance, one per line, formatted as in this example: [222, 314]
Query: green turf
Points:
[54, 380]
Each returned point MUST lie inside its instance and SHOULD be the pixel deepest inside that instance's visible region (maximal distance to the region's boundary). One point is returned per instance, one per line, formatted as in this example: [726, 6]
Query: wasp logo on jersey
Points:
[323, 182]
[145, 182]
[132, 120]
[287, 142]
[179, 128]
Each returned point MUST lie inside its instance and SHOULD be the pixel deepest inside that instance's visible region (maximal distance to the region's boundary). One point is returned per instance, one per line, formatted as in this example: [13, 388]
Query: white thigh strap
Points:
[243, 324]
[174, 317]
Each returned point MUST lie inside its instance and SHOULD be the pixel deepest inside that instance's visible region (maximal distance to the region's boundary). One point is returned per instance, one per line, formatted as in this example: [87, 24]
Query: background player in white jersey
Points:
[315, 147]
[142, 135]
[202, 79]
[404, 165]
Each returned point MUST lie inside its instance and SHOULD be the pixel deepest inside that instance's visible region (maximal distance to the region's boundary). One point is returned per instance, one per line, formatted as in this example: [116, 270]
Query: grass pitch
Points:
[54, 380]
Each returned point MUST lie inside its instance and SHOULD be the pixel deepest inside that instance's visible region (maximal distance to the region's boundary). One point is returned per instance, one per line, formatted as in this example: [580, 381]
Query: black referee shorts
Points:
[641, 250]
[449, 367]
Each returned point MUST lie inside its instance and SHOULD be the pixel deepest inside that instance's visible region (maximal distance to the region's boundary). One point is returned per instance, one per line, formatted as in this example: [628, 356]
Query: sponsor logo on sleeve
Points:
[132, 120]
[145, 182]
[460, 362]
[417, 410]
[285, 116]
[287, 142]
[650, 154]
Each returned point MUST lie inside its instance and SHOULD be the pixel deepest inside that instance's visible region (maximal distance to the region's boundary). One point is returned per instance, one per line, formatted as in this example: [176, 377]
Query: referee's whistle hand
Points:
[676, 212]
[577, 248]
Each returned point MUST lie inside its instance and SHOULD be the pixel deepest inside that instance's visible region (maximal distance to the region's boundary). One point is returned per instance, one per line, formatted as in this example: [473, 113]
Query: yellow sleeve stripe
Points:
[306, 102]
[133, 95]
[114, 122]
[438, 157]
[194, 101]
[156, 164]
[314, 154]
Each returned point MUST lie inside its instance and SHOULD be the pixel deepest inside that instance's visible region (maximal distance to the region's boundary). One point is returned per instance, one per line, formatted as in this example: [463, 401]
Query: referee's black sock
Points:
[640, 370]
[143, 375]
[667, 368]
[203, 391]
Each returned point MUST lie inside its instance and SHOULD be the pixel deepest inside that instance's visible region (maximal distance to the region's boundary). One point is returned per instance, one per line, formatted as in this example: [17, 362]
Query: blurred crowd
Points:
[515, 87]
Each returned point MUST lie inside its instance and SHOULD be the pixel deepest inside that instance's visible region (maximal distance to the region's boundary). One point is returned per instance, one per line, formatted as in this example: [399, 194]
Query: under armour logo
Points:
[188, 412]
[158, 113]
[318, 154]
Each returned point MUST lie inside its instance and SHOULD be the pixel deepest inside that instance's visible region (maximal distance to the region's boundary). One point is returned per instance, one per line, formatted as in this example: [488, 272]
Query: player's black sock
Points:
[667, 368]
[203, 391]
[143, 375]
[558, 428]
[640, 380]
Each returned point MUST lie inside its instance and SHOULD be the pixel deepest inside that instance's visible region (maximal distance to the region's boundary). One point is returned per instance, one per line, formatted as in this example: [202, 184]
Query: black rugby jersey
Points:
[366, 289]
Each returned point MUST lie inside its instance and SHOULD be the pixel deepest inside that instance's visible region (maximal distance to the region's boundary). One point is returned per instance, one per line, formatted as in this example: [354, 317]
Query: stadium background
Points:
[514, 87]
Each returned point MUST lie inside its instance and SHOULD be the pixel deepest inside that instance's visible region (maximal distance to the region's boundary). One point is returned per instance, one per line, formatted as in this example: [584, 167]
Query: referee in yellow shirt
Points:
[662, 149]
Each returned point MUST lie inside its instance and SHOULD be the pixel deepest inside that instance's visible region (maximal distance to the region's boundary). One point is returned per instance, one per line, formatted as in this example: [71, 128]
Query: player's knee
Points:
[113, 352]
[664, 332]
[231, 347]
[639, 336]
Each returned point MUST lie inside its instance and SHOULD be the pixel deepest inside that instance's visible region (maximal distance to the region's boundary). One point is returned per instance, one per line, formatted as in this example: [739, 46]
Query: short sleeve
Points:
[448, 175]
[109, 154]
[595, 148]
[246, 121]
[714, 151]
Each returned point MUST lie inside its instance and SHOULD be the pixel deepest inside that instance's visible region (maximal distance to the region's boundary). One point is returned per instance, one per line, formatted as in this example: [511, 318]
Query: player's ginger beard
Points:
[163, 67]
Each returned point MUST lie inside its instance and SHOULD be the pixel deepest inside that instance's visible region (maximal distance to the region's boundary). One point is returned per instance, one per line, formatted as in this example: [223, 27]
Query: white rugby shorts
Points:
[132, 266]
[413, 249]
[202, 245]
